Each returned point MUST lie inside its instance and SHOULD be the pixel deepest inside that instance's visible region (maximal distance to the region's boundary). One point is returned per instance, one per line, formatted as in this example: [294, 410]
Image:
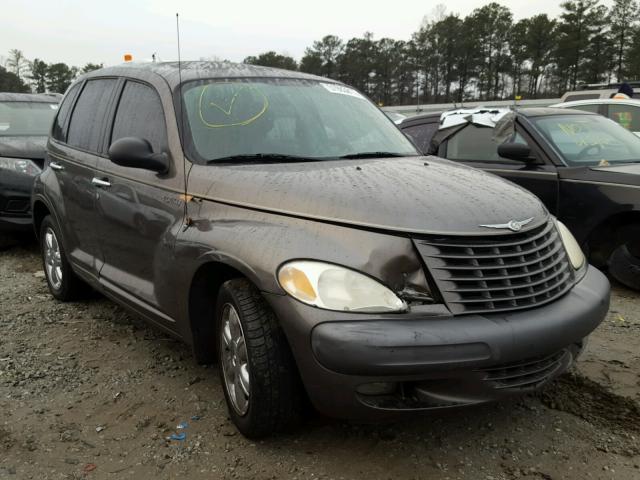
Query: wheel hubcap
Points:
[52, 259]
[235, 364]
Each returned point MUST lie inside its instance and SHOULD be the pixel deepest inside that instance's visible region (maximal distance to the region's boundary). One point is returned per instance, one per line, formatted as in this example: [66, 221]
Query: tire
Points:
[275, 399]
[625, 267]
[63, 283]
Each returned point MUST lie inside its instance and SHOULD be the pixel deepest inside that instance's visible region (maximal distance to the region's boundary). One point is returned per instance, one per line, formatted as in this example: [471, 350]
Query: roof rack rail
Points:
[606, 86]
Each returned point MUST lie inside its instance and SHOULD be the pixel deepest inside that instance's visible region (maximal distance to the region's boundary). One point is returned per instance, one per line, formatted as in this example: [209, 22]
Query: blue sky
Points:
[77, 32]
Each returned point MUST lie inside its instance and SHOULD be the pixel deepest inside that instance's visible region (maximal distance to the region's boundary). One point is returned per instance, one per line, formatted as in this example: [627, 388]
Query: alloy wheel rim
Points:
[235, 361]
[52, 259]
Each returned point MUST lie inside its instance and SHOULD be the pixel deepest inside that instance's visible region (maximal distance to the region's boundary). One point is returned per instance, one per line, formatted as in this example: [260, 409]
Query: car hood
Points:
[32, 147]
[628, 173]
[412, 194]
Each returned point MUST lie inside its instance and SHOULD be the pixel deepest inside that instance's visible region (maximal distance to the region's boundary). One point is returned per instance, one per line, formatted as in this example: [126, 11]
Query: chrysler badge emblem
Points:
[513, 225]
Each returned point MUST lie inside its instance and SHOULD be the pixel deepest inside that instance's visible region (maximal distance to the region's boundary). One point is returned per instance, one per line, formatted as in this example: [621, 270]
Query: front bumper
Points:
[429, 359]
[15, 199]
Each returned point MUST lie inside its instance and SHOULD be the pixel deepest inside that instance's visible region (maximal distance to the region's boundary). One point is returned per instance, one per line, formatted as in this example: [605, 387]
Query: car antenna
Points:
[185, 197]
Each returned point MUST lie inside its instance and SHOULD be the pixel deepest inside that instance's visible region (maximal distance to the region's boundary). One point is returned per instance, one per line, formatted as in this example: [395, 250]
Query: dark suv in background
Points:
[584, 167]
[25, 121]
[280, 223]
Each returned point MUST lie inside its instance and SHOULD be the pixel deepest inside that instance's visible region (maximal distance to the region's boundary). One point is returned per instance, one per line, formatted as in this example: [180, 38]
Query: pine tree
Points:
[623, 17]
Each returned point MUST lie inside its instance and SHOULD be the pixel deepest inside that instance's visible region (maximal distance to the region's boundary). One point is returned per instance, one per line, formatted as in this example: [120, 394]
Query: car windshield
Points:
[589, 140]
[285, 120]
[26, 118]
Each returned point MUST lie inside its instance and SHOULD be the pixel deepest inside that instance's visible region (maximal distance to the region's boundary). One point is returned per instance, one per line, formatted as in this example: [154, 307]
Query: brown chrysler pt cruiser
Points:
[282, 226]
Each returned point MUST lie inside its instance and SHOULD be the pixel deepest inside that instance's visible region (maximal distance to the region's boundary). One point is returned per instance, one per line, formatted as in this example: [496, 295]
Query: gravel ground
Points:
[88, 391]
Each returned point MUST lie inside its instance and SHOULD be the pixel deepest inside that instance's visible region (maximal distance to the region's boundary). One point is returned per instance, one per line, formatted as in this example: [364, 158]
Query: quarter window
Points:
[59, 126]
[422, 134]
[88, 119]
[140, 115]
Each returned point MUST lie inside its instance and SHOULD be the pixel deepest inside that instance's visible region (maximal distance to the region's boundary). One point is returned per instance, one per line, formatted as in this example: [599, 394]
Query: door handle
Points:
[99, 182]
[56, 166]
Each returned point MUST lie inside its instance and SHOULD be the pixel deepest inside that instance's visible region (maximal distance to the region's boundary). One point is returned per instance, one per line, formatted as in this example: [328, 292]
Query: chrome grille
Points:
[498, 272]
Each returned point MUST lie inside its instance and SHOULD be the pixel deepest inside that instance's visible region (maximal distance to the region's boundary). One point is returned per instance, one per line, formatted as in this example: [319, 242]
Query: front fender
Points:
[256, 243]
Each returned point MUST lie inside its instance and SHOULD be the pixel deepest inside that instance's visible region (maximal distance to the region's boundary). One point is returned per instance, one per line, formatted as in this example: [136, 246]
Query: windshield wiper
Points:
[262, 157]
[355, 156]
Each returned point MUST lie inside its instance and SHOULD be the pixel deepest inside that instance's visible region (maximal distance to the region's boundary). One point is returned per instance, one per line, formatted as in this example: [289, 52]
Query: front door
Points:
[474, 146]
[140, 210]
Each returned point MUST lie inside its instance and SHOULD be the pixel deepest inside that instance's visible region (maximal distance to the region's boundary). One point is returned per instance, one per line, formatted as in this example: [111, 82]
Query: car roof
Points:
[30, 97]
[606, 86]
[525, 112]
[598, 101]
[195, 70]
[422, 118]
[547, 111]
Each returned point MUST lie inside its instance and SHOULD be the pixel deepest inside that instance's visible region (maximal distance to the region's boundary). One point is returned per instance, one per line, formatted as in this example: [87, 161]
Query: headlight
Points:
[576, 257]
[336, 288]
[20, 165]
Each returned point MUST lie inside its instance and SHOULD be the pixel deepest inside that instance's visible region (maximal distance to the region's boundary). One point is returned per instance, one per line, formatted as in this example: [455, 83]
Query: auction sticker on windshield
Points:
[342, 90]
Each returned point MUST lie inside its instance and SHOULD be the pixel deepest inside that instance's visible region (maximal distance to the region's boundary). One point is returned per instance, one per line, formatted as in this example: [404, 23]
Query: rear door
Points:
[474, 146]
[140, 210]
[74, 151]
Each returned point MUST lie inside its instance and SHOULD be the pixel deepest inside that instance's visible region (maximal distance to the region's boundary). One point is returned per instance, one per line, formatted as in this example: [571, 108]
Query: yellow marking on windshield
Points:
[573, 130]
[228, 112]
[570, 129]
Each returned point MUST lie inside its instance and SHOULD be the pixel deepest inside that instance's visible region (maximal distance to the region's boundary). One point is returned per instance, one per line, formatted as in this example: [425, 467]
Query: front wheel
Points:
[625, 267]
[257, 370]
[63, 283]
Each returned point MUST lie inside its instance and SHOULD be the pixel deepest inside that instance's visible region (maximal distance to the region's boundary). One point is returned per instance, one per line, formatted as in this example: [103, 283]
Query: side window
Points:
[476, 144]
[581, 96]
[422, 134]
[140, 115]
[626, 115]
[595, 108]
[473, 144]
[88, 118]
[59, 126]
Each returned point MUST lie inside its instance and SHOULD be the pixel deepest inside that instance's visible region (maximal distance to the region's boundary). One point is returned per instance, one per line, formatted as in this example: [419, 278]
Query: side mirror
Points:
[516, 151]
[134, 152]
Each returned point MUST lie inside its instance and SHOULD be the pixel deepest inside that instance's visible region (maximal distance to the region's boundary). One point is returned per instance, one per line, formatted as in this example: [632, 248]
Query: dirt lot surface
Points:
[87, 391]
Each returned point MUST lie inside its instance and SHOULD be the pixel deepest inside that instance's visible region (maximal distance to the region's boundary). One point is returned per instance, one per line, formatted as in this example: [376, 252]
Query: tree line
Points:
[37, 76]
[486, 55]
[483, 56]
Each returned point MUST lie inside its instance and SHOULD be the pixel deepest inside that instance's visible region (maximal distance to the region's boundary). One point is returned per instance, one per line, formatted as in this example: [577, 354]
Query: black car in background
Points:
[25, 121]
[584, 167]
